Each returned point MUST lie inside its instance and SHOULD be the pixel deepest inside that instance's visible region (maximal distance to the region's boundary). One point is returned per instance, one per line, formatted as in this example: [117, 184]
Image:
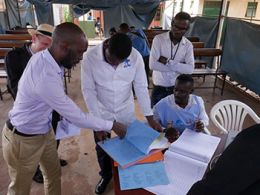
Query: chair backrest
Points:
[229, 115]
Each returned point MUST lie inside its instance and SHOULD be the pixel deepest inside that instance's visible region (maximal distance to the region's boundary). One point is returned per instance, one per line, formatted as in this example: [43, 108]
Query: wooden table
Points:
[142, 191]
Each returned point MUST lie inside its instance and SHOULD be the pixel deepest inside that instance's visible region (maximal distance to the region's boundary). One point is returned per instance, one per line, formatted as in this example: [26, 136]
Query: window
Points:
[251, 9]
[211, 8]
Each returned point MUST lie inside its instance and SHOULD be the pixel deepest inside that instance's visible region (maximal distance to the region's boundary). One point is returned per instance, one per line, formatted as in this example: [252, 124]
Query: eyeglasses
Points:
[178, 27]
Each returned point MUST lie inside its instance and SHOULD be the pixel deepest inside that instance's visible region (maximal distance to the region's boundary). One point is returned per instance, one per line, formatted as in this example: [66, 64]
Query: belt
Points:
[12, 128]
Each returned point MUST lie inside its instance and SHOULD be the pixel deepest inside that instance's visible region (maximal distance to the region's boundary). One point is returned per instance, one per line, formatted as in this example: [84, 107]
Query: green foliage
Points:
[67, 14]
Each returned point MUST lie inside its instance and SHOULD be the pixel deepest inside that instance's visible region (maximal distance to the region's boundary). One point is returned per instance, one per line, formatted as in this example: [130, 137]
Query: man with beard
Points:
[16, 61]
[171, 55]
[182, 109]
[27, 137]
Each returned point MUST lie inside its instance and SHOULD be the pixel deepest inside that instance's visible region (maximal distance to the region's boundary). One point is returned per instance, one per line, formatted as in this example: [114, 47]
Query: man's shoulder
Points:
[18, 51]
[197, 99]
[186, 41]
[166, 101]
[162, 35]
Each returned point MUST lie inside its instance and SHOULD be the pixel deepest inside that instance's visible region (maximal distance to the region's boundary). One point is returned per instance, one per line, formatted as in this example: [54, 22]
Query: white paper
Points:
[182, 172]
[66, 129]
[196, 145]
[159, 143]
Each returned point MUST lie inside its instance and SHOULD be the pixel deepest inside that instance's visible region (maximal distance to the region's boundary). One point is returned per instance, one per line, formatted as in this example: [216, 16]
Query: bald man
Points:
[27, 137]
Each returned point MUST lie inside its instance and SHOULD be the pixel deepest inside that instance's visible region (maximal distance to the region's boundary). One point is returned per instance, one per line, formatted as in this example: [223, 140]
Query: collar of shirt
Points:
[53, 63]
[190, 102]
[167, 37]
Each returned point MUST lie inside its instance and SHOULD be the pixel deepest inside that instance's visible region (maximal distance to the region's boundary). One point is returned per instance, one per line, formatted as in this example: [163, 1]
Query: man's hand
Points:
[101, 135]
[155, 125]
[119, 129]
[163, 60]
[199, 126]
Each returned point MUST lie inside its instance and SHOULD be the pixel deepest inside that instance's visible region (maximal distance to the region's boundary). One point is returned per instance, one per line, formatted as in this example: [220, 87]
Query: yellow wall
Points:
[237, 8]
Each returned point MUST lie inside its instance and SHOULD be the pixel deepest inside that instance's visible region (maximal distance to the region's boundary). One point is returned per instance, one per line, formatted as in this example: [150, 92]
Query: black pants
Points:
[159, 93]
[54, 122]
[104, 160]
[237, 172]
[146, 66]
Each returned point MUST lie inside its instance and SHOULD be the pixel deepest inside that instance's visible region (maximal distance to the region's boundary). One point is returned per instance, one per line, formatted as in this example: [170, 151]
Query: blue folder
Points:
[133, 147]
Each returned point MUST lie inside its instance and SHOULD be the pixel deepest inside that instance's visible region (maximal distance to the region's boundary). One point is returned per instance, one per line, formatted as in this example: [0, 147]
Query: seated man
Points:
[182, 109]
[237, 171]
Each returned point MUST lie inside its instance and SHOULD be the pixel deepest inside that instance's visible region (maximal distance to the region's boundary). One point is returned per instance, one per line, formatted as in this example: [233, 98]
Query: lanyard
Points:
[172, 57]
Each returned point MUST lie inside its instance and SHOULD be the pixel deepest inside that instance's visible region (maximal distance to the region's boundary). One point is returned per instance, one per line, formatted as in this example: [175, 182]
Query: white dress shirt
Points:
[108, 90]
[40, 91]
[183, 62]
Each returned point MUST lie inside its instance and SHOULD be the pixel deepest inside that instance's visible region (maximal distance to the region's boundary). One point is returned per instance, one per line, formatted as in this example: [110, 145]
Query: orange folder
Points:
[155, 155]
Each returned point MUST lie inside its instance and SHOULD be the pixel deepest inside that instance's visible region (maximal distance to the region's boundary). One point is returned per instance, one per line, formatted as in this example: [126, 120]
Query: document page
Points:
[141, 135]
[142, 175]
[195, 145]
[182, 172]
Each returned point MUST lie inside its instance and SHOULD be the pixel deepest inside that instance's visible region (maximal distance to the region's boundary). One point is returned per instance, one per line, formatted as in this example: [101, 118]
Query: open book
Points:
[186, 162]
[140, 141]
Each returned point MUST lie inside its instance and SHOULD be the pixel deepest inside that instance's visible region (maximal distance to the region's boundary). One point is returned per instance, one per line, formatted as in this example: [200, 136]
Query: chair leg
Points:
[215, 83]
[223, 84]
[1, 95]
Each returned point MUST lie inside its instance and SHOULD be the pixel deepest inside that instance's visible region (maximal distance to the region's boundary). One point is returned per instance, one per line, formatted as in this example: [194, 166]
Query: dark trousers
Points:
[146, 66]
[237, 172]
[54, 122]
[104, 160]
[159, 93]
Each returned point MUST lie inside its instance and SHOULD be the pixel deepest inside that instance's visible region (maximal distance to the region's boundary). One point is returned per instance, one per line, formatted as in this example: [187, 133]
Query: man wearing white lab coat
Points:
[108, 73]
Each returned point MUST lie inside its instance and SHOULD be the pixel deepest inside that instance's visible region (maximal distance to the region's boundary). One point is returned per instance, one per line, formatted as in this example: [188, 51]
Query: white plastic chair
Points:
[229, 115]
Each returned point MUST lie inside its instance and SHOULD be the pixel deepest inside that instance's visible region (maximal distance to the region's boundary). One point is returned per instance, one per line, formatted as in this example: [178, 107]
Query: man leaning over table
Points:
[171, 55]
[27, 137]
[108, 72]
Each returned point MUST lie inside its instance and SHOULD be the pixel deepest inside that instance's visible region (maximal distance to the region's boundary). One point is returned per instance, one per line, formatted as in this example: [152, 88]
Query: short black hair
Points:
[113, 29]
[120, 46]
[124, 26]
[182, 16]
[185, 78]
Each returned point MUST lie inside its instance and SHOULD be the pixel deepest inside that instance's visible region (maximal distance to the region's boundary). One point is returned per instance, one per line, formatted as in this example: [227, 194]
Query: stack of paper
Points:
[138, 157]
[186, 162]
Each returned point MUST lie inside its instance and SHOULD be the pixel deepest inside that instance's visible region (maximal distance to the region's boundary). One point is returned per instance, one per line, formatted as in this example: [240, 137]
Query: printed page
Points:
[195, 145]
[142, 175]
[182, 172]
[141, 135]
[66, 129]
[160, 142]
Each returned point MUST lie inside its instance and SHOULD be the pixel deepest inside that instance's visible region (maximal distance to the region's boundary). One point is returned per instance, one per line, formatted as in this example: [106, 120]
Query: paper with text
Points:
[142, 175]
[66, 129]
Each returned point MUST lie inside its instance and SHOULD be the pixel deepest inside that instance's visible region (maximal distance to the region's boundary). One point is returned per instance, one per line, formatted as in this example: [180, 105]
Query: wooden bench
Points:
[150, 34]
[198, 44]
[3, 73]
[11, 44]
[198, 72]
[17, 37]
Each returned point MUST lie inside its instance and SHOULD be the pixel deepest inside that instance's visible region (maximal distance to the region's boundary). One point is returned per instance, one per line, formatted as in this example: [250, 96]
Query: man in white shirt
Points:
[182, 109]
[27, 137]
[107, 74]
[171, 55]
